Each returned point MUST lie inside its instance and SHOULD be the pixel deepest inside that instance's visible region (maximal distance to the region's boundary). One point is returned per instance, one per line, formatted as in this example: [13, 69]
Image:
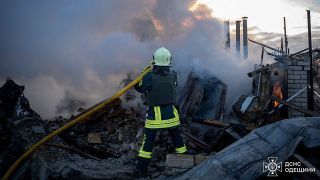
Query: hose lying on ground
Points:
[79, 118]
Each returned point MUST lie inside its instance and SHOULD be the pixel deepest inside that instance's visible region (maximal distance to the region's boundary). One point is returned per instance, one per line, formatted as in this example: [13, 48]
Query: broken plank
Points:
[233, 133]
[306, 111]
[263, 45]
[216, 123]
[197, 141]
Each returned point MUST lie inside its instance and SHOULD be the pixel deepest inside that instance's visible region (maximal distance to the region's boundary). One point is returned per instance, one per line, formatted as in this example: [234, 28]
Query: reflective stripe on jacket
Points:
[162, 117]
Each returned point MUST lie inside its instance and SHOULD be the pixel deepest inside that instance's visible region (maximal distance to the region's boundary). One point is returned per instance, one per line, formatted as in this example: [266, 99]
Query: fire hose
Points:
[79, 118]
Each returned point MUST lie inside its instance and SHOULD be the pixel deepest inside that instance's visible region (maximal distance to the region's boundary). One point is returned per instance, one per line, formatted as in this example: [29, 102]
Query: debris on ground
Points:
[220, 145]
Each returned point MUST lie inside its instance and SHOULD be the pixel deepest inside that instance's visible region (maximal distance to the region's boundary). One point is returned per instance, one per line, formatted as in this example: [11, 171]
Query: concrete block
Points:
[306, 68]
[303, 95]
[180, 160]
[291, 81]
[301, 82]
[303, 77]
[293, 86]
[291, 72]
[295, 68]
[290, 63]
[303, 63]
[297, 103]
[301, 100]
[293, 90]
[290, 90]
[293, 77]
[304, 105]
[300, 72]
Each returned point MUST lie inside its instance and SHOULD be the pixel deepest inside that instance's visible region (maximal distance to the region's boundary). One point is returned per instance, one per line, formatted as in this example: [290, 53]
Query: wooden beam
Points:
[267, 67]
[216, 123]
[197, 141]
[266, 46]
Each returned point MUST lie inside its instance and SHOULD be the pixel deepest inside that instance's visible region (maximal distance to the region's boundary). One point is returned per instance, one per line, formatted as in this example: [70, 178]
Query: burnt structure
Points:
[202, 98]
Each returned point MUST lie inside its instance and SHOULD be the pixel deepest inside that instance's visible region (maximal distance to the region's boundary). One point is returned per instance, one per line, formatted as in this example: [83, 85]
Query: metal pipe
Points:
[310, 79]
[281, 44]
[289, 99]
[227, 34]
[293, 96]
[238, 37]
[245, 37]
[285, 35]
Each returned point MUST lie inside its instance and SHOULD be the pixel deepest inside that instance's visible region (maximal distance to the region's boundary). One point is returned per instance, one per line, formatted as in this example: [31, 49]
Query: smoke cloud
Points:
[83, 49]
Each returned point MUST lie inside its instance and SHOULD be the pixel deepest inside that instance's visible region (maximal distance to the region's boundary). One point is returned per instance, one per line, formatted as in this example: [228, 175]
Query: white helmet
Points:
[162, 57]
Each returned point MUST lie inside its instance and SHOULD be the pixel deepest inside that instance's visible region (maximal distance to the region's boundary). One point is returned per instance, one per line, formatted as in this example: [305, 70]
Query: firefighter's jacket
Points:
[159, 87]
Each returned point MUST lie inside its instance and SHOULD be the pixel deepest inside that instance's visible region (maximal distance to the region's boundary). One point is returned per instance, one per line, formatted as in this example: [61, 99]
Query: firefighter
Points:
[159, 87]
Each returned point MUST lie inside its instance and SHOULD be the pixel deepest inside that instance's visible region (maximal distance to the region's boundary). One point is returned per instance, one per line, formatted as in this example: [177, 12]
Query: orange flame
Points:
[200, 11]
[277, 92]
[156, 22]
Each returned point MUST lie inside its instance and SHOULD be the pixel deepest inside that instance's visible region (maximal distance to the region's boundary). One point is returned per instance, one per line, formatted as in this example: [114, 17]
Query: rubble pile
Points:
[103, 147]
[110, 134]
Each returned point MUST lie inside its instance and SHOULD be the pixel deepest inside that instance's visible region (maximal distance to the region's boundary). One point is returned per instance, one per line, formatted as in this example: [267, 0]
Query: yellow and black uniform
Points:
[159, 86]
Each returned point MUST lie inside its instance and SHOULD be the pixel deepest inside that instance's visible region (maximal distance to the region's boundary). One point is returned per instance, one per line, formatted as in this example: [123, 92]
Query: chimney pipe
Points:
[238, 37]
[310, 79]
[285, 35]
[227, 34]
[282, 44]
[245, 37]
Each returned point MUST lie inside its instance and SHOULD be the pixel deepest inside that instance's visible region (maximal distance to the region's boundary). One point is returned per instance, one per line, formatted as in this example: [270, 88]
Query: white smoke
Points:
[87, 48]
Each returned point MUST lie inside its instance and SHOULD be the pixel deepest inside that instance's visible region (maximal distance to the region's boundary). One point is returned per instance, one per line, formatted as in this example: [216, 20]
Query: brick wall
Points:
[297, 79]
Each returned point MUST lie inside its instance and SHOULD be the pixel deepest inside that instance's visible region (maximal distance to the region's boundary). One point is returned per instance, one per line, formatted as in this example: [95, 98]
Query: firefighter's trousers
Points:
[145, 153]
